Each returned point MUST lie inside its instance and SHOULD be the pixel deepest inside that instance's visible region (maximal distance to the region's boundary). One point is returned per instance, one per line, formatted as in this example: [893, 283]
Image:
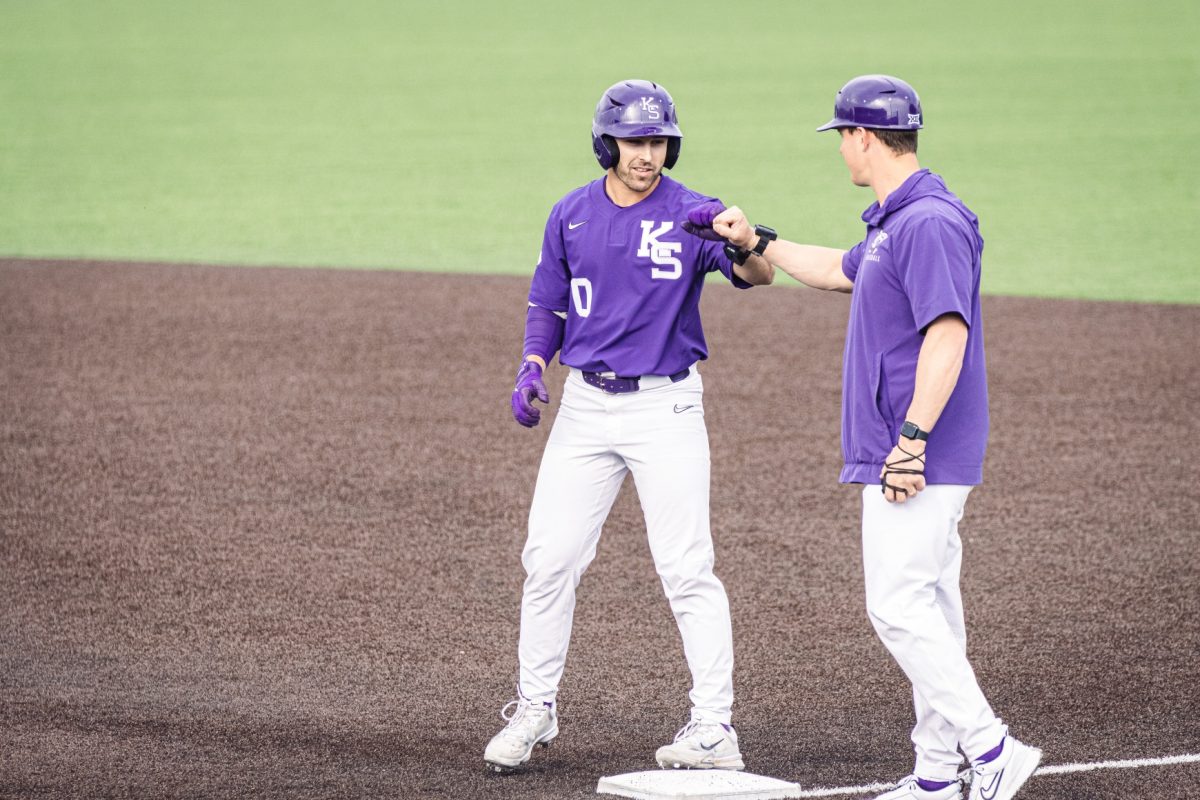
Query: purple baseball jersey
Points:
[920, 260]
[629, 280]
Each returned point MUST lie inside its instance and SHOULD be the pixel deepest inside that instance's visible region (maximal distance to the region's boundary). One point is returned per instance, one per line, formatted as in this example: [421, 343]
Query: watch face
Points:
[909, 430]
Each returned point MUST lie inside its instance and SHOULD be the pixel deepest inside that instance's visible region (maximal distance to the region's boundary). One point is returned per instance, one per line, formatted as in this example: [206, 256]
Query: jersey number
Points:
[581, 296]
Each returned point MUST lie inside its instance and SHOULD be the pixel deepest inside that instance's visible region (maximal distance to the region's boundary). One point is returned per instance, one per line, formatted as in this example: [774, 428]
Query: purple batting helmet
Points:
[876, 101]
[632, 109]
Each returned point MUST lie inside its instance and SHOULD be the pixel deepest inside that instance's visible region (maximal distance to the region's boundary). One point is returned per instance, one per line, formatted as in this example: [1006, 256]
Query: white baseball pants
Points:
[659, 435]
[912, 556]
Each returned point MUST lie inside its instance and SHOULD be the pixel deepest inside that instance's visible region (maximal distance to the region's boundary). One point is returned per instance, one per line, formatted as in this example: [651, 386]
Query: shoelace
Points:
[692, 727]
[517, 718]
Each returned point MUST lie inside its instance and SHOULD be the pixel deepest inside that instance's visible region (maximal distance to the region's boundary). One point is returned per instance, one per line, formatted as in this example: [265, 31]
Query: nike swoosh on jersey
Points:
[680, 409]
[573, 225]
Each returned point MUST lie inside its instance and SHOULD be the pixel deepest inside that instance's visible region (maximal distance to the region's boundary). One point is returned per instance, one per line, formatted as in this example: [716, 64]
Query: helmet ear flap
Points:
[608, 153]
[673, 144]
[606, 150]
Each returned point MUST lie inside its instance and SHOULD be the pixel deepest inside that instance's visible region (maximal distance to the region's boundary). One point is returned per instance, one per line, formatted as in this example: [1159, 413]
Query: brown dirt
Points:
[260, 534]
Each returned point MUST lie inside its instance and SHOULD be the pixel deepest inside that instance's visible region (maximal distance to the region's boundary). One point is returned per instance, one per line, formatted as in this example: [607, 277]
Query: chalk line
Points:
[1052, 769]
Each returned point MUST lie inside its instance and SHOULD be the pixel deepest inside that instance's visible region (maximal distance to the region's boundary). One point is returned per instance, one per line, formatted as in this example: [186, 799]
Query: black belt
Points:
[615, 384]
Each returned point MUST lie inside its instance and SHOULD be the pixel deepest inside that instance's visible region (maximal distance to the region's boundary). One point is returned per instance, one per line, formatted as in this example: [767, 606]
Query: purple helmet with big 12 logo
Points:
[876, 101]
[632, 109]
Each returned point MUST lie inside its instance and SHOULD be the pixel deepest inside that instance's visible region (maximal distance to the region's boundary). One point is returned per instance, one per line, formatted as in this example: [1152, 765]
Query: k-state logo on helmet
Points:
[660, 252]
[652, 108]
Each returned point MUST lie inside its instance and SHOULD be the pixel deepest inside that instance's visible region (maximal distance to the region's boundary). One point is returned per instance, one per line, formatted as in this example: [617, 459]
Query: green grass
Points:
[436, 136]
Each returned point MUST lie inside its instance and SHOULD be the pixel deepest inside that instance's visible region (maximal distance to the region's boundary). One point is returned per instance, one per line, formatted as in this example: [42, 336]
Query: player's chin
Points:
[643, 180]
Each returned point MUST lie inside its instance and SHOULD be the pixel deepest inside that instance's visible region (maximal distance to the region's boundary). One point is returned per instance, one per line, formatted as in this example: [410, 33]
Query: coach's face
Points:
[641, 162]
[854, 152]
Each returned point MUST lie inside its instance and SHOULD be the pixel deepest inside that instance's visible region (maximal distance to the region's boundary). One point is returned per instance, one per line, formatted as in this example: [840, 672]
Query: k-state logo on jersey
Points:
[660, 252]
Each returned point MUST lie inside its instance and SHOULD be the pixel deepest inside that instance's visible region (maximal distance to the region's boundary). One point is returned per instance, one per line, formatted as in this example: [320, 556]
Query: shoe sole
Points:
[735, 766]
[505, 768]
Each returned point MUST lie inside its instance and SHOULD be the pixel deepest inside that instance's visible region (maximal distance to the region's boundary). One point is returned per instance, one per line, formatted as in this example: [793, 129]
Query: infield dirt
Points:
[260, 536]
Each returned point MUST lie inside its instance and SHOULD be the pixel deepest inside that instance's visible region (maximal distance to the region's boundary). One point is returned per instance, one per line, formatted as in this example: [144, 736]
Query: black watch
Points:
[909, 430]
[739, 255]
[765, 236]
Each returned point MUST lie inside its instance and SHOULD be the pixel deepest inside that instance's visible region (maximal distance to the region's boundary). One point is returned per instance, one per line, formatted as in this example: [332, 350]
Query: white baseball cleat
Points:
[1000, 778]
[908, 789]
[702, 745]
[531, 722]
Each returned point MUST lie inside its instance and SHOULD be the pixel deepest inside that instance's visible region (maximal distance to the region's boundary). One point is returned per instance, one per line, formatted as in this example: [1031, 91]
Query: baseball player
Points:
[914, 423]
[618, 287]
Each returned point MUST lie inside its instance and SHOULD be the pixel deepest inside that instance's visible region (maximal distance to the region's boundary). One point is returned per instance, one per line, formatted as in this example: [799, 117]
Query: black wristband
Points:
[737, 255]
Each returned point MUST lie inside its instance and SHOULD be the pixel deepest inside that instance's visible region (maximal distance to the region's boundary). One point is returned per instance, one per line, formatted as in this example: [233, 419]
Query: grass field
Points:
[436, 136]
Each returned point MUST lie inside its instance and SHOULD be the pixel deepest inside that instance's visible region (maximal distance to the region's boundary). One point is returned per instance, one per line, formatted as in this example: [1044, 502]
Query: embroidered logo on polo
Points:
[660, 252]
[879, 239]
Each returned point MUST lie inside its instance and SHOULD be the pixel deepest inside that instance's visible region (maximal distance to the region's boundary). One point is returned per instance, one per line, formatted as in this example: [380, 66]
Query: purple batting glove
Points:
[529, 385]
[700, 219]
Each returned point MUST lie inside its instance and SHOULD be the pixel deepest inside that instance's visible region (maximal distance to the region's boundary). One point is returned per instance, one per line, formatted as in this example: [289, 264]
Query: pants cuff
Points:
[936, 772]
[708, 715]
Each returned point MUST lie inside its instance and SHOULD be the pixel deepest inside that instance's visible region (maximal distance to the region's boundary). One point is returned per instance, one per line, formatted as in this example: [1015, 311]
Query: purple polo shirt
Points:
[919, 260]
[629, 280]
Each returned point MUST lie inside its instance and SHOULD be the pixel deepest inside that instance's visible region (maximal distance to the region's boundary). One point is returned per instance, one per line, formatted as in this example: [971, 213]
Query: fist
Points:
[903, 475]
[732, 224]
[529, 385]
[699, 220]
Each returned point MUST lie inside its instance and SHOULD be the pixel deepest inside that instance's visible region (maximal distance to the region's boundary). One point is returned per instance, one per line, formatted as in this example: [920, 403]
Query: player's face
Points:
[853, 152]
[641, 162]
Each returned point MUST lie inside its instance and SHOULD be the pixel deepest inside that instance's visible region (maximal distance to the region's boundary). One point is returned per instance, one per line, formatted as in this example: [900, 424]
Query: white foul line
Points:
[1059, 769]
[1055, 769]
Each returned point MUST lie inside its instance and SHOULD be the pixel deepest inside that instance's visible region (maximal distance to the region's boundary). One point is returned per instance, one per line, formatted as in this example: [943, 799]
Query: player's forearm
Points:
[818, 267]
[543, 335]
[757, 271]
[938, 367]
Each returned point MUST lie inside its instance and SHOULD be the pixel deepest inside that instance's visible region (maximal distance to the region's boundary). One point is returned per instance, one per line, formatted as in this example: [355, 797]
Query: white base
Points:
[711, 784]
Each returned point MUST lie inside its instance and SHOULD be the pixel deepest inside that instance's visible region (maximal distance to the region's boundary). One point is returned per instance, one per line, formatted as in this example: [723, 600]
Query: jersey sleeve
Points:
[551, 286]
[936, 266]
[851, 260]
[713, 259]
[711, 255]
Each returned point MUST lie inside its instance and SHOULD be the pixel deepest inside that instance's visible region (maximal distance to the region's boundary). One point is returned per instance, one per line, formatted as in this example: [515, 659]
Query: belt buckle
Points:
[610, 382]
[619, 385]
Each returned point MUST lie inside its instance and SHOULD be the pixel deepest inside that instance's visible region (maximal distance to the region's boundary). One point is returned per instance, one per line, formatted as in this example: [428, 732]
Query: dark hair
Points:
[899, 142]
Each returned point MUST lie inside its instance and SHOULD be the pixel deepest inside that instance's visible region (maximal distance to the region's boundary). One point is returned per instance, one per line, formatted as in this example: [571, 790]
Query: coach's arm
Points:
[818, 267]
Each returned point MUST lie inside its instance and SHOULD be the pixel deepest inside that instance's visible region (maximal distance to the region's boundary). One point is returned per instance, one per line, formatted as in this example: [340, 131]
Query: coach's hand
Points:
[903, 474]
[733, 225]
[699, 220]
[529, 386]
